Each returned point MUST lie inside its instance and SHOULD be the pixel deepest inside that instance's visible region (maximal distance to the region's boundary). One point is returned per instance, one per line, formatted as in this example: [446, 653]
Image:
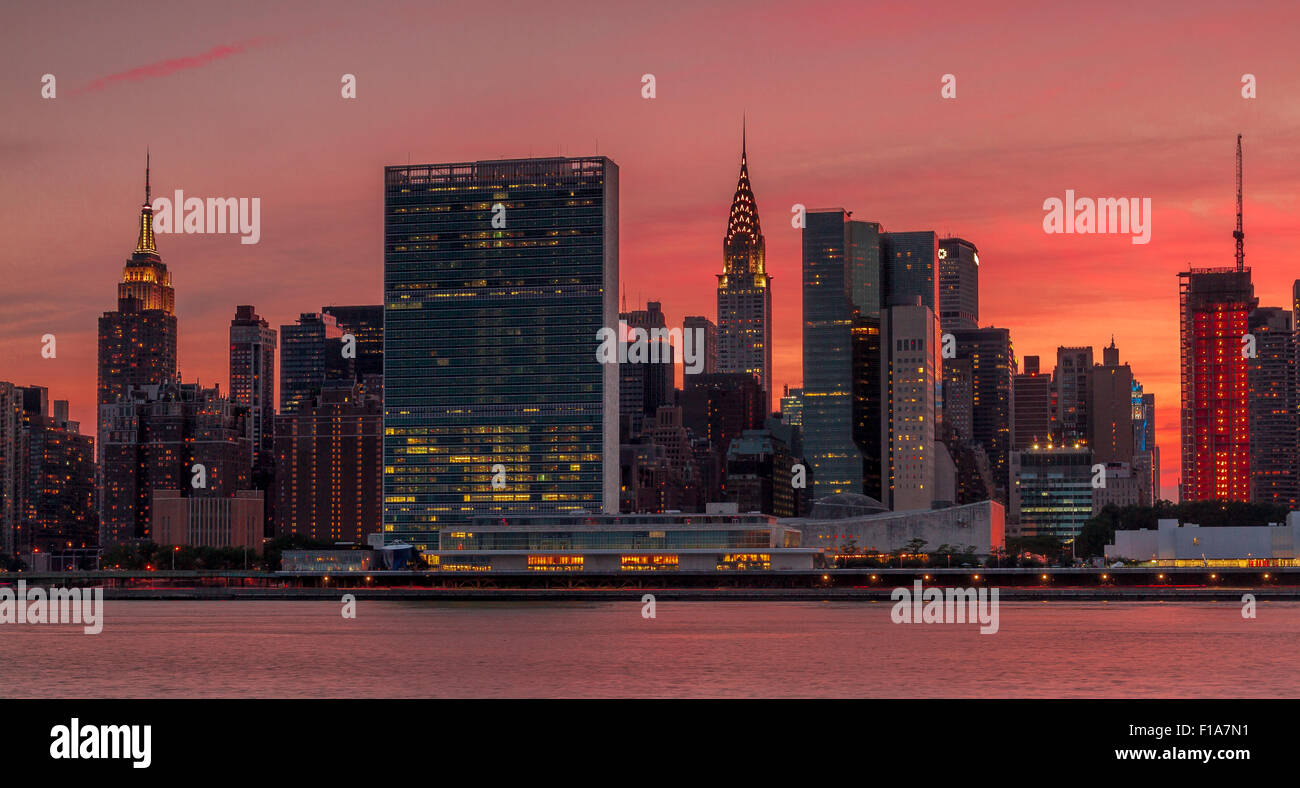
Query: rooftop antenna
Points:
[1238, 233]
[146, 175]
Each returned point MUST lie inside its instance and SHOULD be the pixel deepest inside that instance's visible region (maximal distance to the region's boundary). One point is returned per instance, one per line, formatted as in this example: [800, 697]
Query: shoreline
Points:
[1006, 594]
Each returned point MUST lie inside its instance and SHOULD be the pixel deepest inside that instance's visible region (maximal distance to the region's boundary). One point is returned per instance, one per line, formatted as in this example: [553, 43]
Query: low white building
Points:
[1172, 544]
[979, 524]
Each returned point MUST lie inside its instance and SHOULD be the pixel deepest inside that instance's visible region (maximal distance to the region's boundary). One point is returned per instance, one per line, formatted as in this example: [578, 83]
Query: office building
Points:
[1110, 409]
[498, 279]
[843, 419]
[1051, 492]
[137, 342]
[1033, 399]
[1071, 381]
[993, 367]
[745, 291]
[909, 263]
[365, 324]
[312, 359]
[909, 333]
[646, 379]
[959, 284]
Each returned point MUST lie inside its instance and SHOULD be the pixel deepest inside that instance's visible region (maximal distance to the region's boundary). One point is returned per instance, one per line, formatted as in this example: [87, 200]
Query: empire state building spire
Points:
[146, 244]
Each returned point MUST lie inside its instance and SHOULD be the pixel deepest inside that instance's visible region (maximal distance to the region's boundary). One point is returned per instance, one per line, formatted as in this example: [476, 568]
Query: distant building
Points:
[909, 336]
[1223, 546]
[490, 339]
[745, 292]
[1051, 492]
[709, 352]
[646, 379]
[759, 473]
[174, 436]
[720, 407]
[622, 544]
[366, 325]
[224, 521]
[252, 378]
[843, 422]
[1033, 399]
[959, 284]
[1274, 419]
[993, 365]
[1214, 312]
[311, 359]
[47, 469]
[1110, 409]
[910, 266]
[1072, 380]
[792, 407]
[137, 342]
[329, 466]
[980, 526]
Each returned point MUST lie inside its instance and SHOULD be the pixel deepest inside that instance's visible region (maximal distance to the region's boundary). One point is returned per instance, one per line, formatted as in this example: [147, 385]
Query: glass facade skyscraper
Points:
[842, 355]
[959, 284]
[498, 276]
[910, 268]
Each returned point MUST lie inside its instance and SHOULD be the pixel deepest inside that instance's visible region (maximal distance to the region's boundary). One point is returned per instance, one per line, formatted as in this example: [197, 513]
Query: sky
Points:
[844, 110]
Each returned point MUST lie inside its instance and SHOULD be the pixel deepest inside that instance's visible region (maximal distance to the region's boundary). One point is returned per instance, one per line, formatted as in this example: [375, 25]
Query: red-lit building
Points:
[1214, 309]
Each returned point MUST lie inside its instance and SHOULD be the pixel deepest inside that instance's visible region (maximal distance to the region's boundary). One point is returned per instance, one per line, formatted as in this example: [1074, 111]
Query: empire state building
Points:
[137, 343]
[745, 291]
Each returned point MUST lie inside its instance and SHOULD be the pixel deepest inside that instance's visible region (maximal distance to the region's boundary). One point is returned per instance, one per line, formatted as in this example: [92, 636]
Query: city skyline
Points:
[677, 156]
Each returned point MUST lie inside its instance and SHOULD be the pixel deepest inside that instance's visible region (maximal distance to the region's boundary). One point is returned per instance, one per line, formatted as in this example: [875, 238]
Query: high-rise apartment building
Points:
[365, 324]
[1033, 398]
[252, 378]
[498, 279]
[329, 466]
[993, 367]
[1110, 409]
[1274, 423]
[1214, 311]
[1071, 380]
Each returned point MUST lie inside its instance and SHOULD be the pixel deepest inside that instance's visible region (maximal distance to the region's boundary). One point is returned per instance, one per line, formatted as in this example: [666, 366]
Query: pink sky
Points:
[239, 99]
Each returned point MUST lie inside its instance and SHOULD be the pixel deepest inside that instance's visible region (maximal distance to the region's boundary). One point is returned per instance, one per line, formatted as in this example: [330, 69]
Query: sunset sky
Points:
[844, 110]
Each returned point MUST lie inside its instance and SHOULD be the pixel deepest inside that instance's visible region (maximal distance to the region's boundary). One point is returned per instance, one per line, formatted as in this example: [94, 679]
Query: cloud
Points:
[164, 68]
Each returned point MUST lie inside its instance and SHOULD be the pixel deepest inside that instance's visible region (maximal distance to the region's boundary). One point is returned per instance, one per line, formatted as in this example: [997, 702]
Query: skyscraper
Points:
[498, 278]
[1271, 372]
[745, 291]
[843, 427]
[909, 335]
[311, 358]
[645, 383]
[252, 378]
[959, 284]
[1110, 409]
[1033, 398]
[1214, 310]
[137, 342]
[1071, 381]
[993, 365]
[909, 263]
[366, 324]
[710, 350]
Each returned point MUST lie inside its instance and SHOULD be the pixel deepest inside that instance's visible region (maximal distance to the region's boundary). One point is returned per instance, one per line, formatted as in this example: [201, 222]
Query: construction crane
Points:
[1238, 234]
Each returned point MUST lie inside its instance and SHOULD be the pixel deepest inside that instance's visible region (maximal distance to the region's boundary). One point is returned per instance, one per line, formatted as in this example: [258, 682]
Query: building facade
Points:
[498, 279]
[745, 291]
[252, 378]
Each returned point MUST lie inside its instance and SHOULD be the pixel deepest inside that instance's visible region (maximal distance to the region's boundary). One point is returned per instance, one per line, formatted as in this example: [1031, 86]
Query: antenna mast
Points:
[1238, 234]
